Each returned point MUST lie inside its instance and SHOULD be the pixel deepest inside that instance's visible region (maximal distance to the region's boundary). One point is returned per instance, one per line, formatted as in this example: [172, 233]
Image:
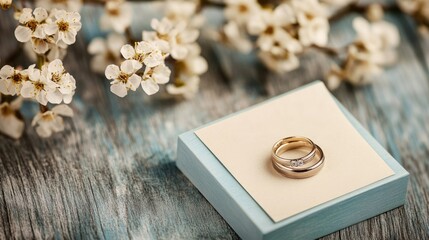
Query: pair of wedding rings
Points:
[301, 167]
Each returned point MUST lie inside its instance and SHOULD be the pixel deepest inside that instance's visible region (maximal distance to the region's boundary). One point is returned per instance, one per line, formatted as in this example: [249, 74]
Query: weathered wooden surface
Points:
[112, 175]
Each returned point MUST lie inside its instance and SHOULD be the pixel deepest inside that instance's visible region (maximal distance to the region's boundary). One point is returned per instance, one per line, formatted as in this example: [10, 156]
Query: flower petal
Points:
[179, 52]
[56, 66]
[127, 51]
[130, 66]
[40, 14]
[51, 28]
[6, 71]
[134, 82]
[63, 110]
[154, 59]
[11, 126]
[23, 34]
[27, 90]
[97, 45]
[149, 86]
[161, 74]
[119, 89]
[112, 71]
[54, 97]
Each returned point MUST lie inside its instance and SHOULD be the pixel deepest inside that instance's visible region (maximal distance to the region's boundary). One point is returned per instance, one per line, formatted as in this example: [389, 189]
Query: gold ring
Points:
[301, 167]
[290, 143]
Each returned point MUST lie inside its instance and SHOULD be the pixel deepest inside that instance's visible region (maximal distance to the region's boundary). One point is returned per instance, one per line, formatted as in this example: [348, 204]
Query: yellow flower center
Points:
[39, 86]
[56, 77]
[32, 24]
[179, 83]
[63, 26]
[269, 30]
[48, 116]
[17, 78]
[123, 77]
[6, 110]
[113, 11]
[242, 8]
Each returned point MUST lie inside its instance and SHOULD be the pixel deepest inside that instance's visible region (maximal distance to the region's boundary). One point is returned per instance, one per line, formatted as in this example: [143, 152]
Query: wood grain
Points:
[111, 174]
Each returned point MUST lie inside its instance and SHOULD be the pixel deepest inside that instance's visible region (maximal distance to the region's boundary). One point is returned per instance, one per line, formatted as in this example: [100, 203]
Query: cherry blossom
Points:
[50, 122]
[10, 124]
[36, 87]
[240, 11]
[186, 86]
[280, 62]
[154, 76]
[106, 51]
[11, 80]
[5, 4]
[117, 16]
[63, 84]
[31, 22]
[145, 52]
[64, 26]
[124, 78]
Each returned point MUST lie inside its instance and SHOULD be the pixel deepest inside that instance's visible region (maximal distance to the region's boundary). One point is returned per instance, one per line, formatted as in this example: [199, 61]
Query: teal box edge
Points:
[248, 219]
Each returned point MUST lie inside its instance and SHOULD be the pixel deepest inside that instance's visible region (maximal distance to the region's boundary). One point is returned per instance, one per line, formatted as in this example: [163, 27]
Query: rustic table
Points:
[111, 174]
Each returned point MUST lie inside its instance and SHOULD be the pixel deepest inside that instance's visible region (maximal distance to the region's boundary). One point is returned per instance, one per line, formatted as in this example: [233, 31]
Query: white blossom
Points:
[36, 87]
[374, 47]
[375, 12]
[270, 26]
[5, 4]
[116, 16]
[11, 80]
[240, 11]
[178, 35]
[68, 5]
[280, 62]
[124, 78]
[50, 122]
[313, 22]
[154, 76]
[62, 83]
[106, 51]
[31, 23]
[10, 124]
[178, 10]
[147, 52]
[236, 37]
[359, 72]
[64, 26]
[194, 63]
[186, 86]
[379, 40]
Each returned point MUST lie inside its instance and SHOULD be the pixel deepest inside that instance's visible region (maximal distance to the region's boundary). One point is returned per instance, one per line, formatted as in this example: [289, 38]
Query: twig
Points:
[43, 108]
[129, 35]
[333, 52]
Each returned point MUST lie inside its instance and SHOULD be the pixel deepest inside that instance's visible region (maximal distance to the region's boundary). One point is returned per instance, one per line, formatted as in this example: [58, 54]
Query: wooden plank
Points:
[111, 174]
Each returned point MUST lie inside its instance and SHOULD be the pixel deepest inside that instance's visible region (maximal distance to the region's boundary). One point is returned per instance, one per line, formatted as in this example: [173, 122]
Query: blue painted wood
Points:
[250, 221]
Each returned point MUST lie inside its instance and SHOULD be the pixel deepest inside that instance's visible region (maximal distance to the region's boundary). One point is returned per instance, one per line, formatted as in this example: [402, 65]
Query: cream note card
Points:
[243, 144]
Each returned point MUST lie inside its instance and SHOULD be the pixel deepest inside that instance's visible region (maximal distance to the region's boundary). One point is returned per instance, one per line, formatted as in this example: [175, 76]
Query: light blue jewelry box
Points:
[250, 221]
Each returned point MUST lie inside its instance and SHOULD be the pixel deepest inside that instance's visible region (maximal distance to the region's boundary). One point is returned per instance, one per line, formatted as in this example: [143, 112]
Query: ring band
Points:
[290, 143]
[301, 167]
[302, 172]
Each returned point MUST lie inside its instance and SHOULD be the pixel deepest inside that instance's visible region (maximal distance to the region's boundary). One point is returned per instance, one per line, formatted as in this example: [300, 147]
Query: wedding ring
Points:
[290, 143]
[300, 167]
[314, 166]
